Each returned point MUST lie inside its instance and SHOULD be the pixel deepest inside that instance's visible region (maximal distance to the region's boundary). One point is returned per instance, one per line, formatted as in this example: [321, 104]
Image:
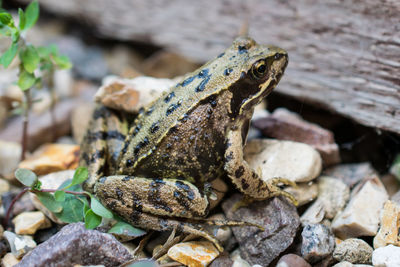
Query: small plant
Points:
[70, 203]
[35, 62]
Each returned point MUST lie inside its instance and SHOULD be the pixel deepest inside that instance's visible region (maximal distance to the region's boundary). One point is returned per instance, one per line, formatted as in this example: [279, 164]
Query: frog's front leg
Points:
[245, 178]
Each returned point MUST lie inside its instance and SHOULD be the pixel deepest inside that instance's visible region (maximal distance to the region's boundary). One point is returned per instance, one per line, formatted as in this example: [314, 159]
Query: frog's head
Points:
[261, 67]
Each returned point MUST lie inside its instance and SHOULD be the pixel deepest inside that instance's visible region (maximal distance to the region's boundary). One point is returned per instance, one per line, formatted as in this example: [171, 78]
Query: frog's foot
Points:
[275, 190]
[227, 223]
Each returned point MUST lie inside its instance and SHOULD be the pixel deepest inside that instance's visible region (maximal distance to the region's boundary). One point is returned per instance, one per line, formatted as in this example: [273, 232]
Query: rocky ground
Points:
[348, 213]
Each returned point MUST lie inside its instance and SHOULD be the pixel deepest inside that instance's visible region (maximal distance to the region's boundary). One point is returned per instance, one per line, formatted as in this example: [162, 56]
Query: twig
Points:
[9, 210]
[27, 107]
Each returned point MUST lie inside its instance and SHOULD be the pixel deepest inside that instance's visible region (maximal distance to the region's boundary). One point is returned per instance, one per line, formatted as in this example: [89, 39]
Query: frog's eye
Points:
[259, 69]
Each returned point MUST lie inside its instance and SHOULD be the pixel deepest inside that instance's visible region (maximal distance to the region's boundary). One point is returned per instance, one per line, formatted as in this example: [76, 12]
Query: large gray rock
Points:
[75, 244]
[279, 219]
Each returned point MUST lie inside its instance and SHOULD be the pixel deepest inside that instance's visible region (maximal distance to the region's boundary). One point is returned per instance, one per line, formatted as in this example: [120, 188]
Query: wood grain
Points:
[344, 54]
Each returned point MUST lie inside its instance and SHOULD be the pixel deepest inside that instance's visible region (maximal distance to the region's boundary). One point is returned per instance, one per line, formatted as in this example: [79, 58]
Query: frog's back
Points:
[158, 119]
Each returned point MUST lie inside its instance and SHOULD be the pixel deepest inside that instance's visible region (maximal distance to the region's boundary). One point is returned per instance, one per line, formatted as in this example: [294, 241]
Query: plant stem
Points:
[53, 105]
[27, 107]
[10, 208]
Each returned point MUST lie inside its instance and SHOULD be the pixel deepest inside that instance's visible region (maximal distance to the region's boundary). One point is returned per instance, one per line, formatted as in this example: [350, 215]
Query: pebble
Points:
[391, 184]
[317, 242]
[51, 181]
[219, 189]
[194, 253]
[388, 256]
[351, 174]
[294, 161]
[361, 215]
[349, 264]
[292, 260]
[52, 158]
[333, 195]
[4, 187]
[279, 219]
[353, 250]
[63, 83]
[283, 124]
[27, 223]
[131, 94]
[9, 260]
[10, 154]
[238, 261]
[304, 192]
[74, 244]
[41, 129]
[389, 225]
[122, 59]
[19, 244]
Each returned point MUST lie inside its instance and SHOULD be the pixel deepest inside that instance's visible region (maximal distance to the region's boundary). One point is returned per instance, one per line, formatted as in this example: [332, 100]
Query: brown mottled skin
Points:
[155, 172]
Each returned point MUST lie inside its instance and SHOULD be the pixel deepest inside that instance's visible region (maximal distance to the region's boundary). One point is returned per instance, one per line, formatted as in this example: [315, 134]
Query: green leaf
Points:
[59, 195]
[92, 220]
[62, 62]
[9, 55]
[143, 263]
[31, 14]
[37, 186]
[80, 175]
[22, 19]
[123, 228]
[15, 34]
[26, 177]
[30, 58]
[99, 209]
[5, 19]
[26, 80]
[72, 209]
[49, 202]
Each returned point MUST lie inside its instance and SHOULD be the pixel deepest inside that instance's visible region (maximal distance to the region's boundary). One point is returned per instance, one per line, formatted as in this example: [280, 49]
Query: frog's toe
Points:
[277, 191]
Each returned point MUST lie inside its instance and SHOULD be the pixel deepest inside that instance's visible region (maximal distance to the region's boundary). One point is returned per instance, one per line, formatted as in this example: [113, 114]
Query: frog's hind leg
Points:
[245, 178]
[102, 143]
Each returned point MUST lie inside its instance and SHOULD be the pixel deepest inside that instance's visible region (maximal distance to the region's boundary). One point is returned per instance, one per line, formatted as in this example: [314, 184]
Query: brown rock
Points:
[194, 253]
[40, 129]
[51, 158]
[292, 260]
[279, 219]
[75, 244]
[286, 125]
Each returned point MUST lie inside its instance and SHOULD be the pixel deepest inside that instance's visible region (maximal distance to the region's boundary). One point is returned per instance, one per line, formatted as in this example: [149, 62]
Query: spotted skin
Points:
[155, 171]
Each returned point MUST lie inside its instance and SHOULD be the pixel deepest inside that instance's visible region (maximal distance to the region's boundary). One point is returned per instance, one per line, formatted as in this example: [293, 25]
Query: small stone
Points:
[41, 129]
[63, 83]
[19, 244]
[27, 223]
[292, 260]
[193, 254]
[389, 226]
[23, 204]
[74, 244]
[131, 94]
[294, 161]
[165, 64]
[353, 250]
[332, 198]
[388, 256]
[51, 181]
[122, 59]
[286, 125]
[361, 215]
[237, 259]
[80, 119]
[222, 261]
[9, 260]
[52, 158]
[304, 192]
[351, 174]
[4, 186]
[222, 233]
[317, 242]
[10, 154]
[279, 219]
[219, 188]
[396, 198]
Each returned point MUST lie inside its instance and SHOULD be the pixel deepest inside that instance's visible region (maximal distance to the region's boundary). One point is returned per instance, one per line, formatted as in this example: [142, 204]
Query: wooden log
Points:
[344, 54]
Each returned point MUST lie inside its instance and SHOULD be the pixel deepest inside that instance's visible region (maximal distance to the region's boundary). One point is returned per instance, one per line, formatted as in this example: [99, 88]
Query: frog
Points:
[155, 170]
